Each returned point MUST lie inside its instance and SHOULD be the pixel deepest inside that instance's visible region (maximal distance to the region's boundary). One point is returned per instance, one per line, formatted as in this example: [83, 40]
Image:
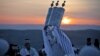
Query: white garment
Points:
[25, 52]
[89, 51]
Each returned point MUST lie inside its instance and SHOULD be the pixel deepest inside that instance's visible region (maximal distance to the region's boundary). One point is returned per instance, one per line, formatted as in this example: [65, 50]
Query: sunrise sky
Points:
[83, 12]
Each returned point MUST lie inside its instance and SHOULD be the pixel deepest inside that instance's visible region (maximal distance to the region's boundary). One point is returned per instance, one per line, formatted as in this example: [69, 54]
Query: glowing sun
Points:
[66, 20]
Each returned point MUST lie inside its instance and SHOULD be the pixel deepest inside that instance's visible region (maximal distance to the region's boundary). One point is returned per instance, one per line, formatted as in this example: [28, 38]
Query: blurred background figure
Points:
[13, 50]
[76, 50]
[88, 41]
[27, 50]
[96, 43]
[10, 51]
[89, 50]
[4, 46]
[42, 51]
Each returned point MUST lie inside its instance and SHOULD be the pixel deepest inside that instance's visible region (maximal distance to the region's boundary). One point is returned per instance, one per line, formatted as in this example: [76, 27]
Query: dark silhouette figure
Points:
[52, 4]
[96, 43]
[42, 52]
[88, 41]
[9, 53]
[13, 50]
[57, 3]
[63, 4]
[76, 50]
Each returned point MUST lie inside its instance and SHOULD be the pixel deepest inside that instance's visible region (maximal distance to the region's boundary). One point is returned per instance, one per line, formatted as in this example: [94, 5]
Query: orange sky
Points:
[85, 21]
[41, 20]
[84, 12]
[21, 20]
